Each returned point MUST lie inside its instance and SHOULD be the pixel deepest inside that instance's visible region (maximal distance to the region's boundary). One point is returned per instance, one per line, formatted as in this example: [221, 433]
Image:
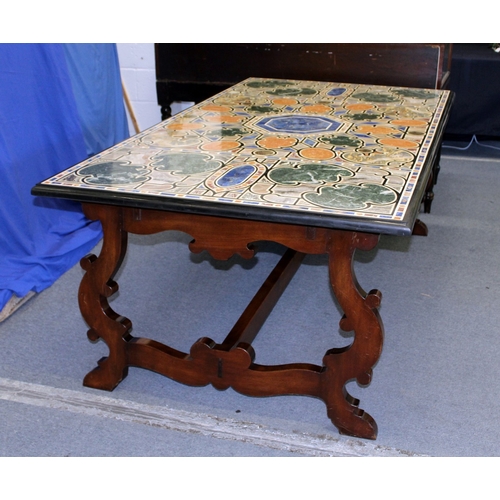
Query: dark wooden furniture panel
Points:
[194, 72]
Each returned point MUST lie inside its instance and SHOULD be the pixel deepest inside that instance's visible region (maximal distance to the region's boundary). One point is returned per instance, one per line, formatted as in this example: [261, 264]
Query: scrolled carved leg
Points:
[356, 360]
[231, 363]
[96, 287]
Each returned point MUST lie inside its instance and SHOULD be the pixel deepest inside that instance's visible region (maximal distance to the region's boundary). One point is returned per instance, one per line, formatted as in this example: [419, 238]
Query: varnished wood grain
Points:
[231, 363]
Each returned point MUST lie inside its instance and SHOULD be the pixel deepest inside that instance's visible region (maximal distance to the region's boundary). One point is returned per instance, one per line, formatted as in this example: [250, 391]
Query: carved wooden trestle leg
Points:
[231, 362]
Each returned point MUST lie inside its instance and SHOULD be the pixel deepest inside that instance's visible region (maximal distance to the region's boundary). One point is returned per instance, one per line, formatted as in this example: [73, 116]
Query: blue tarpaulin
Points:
[59, 104]
[95, 77]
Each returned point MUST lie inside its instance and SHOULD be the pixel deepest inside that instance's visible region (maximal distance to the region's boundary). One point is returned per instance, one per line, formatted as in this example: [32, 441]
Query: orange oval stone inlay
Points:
[221, 145]
[276, 142]
[285, 101]
[376, 130]
[398, 143]
[216, 107]
[317, 154]
[316, 108]
[359, 107]
[184, 126]
[410, 123]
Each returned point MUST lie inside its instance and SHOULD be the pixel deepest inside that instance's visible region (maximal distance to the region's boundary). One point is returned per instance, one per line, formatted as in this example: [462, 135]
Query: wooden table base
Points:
[231, 363]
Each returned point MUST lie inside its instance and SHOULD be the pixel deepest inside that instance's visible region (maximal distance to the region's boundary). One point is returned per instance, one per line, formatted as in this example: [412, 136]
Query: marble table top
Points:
[335, 155]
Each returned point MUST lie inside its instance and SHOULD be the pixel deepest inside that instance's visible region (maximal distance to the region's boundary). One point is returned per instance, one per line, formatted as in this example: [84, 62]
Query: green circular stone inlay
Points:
[308, 173]
[186, 163]
[352, 197]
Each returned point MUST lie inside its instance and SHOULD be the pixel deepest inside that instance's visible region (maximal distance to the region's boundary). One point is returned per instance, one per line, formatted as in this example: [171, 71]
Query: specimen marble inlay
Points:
[344, 150]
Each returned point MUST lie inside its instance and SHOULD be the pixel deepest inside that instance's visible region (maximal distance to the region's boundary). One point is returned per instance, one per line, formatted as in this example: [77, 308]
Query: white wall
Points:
[137, 66]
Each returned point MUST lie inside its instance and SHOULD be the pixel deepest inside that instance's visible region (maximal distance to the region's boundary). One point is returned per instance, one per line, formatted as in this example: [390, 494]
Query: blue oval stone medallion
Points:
[336, 91]
[235, 176]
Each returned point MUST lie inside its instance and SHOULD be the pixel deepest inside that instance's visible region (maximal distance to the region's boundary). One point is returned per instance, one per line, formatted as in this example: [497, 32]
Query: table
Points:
[321, 168]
